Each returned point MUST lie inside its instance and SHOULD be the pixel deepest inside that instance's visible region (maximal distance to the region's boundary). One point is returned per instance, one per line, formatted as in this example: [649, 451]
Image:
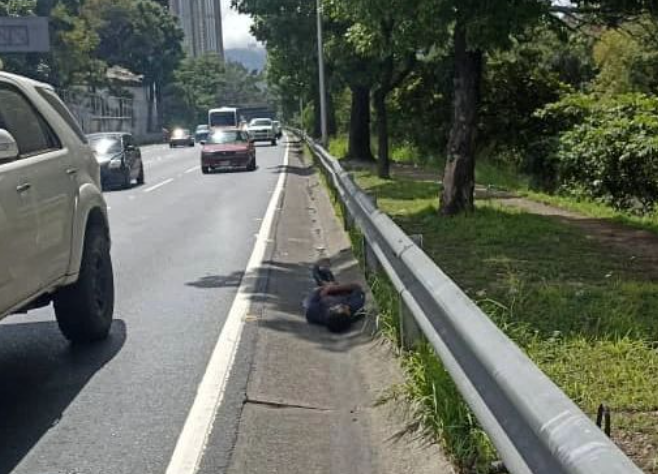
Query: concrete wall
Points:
[102, 112]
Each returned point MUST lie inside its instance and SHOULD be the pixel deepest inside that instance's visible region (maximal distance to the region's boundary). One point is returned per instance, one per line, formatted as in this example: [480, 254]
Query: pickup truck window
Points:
[59, 106]
[27, 126]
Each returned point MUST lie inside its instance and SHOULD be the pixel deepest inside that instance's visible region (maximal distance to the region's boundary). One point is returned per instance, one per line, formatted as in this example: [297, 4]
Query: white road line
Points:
[194, 437]
[159, 185]
[191, 170]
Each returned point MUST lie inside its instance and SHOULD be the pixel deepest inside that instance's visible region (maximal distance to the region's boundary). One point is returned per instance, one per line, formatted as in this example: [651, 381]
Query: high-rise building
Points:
[201, 21]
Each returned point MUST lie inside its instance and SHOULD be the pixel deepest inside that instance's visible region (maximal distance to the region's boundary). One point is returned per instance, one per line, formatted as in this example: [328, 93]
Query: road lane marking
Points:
[198, 426]
[194, 168]
[159, 185]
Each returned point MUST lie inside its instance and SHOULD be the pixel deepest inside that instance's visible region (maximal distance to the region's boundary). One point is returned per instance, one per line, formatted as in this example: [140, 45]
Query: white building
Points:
[201, 21]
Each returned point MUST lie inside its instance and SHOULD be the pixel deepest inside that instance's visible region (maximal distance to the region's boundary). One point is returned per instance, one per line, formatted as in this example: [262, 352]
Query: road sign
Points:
[28, 34]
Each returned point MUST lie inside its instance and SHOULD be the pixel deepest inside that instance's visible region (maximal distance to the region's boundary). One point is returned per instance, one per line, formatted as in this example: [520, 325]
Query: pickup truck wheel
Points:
[84, 310]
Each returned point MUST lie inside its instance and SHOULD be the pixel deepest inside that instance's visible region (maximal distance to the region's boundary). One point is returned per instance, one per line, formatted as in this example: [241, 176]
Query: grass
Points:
[587, 317]
[338, 146]
[595, 209]
[492, 174]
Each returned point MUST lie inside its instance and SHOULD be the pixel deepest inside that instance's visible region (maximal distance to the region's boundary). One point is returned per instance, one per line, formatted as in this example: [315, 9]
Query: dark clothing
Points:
[322, 275]
[317, 306]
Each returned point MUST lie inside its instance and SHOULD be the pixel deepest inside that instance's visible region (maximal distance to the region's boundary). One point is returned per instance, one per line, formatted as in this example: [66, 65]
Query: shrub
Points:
[612, 155]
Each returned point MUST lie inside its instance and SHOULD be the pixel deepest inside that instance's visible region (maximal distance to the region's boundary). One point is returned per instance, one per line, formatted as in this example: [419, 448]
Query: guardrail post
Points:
[369, 258]
[373, 198]
[410, 332]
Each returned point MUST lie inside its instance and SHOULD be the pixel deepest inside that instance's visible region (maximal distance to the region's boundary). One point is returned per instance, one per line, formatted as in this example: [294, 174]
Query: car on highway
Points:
[278, 130]
[201, 133]
[53, 219]
[119, 157]
[181, 137]
[228, 149]
[262, 130]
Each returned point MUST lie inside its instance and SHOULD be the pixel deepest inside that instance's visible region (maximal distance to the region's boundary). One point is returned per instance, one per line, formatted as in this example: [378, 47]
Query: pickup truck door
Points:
[47, 170]
[18, 236]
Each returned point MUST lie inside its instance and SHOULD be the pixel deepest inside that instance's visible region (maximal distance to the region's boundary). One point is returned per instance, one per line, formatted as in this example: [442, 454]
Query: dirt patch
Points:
[640, 441]
[640, 246]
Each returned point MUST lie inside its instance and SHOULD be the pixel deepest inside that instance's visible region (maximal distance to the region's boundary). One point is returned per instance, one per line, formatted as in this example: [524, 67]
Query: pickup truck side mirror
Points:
[8, 147]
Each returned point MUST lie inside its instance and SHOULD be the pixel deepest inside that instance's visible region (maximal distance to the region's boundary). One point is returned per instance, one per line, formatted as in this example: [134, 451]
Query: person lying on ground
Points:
[333, 305]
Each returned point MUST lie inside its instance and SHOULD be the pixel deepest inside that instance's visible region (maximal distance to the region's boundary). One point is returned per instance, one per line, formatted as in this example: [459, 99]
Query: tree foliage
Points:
[207, 82]
[609, 149]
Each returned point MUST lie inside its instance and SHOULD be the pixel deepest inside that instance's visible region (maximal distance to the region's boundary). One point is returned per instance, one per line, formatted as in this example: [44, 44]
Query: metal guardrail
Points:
[535, 427]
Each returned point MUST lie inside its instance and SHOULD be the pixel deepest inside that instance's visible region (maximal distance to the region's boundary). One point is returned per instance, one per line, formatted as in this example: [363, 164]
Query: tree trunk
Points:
[149, 112]
[359, 141]
[459, 176]
[317, 119]
[331, 116]
[159, 104]
[383, 165]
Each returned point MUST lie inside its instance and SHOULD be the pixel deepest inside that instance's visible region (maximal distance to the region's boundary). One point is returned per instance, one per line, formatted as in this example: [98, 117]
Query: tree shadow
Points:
[548, 273]
[290, 169]
[280, 295]
[405, 190]
[41, 376]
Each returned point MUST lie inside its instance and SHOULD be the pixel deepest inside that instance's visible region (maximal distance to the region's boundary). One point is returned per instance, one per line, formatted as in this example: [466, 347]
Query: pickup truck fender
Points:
[90, 208]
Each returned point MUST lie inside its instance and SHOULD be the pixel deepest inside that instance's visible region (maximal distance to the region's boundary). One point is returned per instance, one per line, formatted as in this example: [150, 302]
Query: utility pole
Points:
[323, 92]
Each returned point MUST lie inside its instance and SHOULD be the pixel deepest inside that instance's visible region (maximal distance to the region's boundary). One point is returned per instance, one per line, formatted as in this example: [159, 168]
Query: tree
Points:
[477, 27]
[74, 46]
[207, 82]
[628, 58]
[142, 36]
[288, 29]
[385, 33]
[356, 70]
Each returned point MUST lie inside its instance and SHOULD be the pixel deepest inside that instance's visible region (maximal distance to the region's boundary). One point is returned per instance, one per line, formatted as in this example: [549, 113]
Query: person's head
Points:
[339, 318]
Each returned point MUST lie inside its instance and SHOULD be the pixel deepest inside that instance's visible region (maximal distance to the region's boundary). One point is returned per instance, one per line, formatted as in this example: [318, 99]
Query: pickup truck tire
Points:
[84, 309]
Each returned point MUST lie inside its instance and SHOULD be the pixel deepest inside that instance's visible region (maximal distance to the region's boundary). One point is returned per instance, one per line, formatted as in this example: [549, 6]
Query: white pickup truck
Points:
[262, 130]
[54, 232]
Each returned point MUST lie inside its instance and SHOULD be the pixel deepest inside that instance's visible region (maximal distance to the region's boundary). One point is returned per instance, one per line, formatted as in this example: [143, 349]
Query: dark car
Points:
[201, 133]
[181, 137]
[119, 157]
[228, 149]
[201, 137]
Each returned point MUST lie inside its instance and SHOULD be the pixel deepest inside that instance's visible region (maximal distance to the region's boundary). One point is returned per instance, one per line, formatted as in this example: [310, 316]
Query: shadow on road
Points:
[40, 375]
[290, 169]
[282, 293]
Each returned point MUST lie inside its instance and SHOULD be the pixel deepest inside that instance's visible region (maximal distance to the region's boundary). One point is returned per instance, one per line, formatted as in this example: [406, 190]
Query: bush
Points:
[612, 155]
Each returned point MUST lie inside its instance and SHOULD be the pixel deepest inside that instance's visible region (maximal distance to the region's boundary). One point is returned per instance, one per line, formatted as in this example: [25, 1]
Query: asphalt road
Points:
[180, 245]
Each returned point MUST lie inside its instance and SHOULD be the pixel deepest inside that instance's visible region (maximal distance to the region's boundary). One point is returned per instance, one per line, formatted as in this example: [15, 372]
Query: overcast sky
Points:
[236, 28]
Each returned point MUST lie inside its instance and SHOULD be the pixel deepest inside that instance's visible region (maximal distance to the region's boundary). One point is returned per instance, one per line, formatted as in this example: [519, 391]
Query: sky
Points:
[236, 28]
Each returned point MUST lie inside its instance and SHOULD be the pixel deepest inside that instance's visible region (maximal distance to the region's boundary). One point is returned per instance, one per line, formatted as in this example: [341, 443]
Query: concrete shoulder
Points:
[313, 400]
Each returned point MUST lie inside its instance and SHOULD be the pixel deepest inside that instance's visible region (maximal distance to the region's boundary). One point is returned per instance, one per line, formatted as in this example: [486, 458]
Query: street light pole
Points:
[323, 92]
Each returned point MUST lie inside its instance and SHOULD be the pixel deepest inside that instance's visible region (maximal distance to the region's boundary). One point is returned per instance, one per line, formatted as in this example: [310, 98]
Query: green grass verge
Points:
[587, 317]
[595, 209]
[497, 176]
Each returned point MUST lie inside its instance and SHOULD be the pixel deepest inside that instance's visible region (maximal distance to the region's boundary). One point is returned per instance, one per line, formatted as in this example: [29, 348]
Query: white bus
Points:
[224, 117]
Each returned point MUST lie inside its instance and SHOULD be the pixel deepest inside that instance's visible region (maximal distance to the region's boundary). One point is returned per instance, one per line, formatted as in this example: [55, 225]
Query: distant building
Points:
[201, 21]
